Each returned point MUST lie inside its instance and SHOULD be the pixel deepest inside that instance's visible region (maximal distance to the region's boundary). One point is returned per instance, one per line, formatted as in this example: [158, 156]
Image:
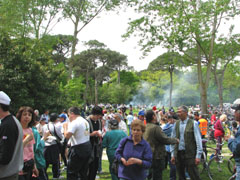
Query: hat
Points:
[154, 108]
[236, 104]
[113, 123]
[63, 116]
[141, 113]
[4, 98]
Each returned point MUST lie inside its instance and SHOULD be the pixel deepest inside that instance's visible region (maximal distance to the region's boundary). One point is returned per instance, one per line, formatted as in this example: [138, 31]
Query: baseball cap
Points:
[4, 98]
[141, 113]
[63, 116]
[236, 104]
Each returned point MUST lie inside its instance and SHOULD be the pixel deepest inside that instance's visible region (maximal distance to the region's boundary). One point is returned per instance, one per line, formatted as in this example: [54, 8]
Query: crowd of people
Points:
[143, 144]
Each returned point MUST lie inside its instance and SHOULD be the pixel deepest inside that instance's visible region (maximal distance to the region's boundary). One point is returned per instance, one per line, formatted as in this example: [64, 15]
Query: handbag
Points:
[28, 165]
[115, 163]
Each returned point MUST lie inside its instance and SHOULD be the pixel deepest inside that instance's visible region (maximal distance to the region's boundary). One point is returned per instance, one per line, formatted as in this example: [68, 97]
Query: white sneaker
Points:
[97, 177]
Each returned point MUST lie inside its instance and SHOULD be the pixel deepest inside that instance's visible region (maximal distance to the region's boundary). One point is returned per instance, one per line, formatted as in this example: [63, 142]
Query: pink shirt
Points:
[28, 149]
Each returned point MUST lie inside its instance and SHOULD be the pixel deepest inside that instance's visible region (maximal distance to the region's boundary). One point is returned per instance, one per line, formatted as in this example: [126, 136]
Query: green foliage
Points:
[25, 79]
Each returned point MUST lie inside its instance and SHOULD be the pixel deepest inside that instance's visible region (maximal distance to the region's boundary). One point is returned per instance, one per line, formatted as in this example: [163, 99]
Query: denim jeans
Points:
[238, 170]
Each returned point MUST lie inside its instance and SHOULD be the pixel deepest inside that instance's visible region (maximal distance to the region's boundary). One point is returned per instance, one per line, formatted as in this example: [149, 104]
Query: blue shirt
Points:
[167, 129]
[142, 151]
[197, 136]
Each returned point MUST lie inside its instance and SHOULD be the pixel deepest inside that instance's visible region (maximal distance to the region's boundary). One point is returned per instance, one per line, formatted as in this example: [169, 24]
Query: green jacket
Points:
[157, 140]
[38, 149]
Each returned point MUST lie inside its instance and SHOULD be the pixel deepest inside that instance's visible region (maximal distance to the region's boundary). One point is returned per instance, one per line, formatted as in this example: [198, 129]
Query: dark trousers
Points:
[62, 151]
[93, 167]
[156, 171]
[78, 157]
[42, 175]
[173, 170]
[51, 154]
[184, 164]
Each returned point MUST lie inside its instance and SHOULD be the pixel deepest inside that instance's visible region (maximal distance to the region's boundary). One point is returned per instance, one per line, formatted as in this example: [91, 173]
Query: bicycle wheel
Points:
[203, 168]
[218, 164]
[203, 163]
[231, 165]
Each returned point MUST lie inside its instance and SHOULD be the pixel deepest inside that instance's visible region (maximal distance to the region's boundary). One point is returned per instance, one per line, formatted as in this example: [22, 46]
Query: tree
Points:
[81, 13]
[43, 15]
[99, 62]
[181, 25]
[167, 62]
[225, 54]
[25, 79]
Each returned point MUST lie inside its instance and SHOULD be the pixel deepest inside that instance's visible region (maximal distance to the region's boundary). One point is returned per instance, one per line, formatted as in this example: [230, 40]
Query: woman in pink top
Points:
[219, 130]
[27, 118]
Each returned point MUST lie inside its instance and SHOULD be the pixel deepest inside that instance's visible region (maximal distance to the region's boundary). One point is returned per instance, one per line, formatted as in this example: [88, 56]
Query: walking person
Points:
[95, 125]
[11, 136]
[234, 142]
[134, 154]
[157, 140]
[111, 141]
[77, 131]
[52, 149]
[27, 119]
[188, 152]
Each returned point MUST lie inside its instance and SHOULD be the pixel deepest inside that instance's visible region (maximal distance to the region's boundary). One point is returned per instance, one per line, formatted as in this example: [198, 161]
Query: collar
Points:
[185, 121]
[130, 139]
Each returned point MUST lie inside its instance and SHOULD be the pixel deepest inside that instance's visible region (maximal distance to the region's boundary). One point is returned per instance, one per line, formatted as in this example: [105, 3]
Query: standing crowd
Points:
[143, 144]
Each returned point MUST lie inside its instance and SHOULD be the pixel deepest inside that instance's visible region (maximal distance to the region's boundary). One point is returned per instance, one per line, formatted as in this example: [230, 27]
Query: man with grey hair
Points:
[122, 125]
[187, 153]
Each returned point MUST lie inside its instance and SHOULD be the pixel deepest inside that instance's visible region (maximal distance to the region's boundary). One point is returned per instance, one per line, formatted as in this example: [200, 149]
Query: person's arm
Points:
[68, 134]
[198, 140]
[173, 135]
[162, 137]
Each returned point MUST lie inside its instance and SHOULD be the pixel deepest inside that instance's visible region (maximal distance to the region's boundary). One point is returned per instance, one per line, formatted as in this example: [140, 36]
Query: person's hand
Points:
[177, 141]
[227, 137]
[65, 126]
[197, 161]
[124, 161]
[173, 160]
[28, 138]
[45, 135]
[35, 171]
[131, 161]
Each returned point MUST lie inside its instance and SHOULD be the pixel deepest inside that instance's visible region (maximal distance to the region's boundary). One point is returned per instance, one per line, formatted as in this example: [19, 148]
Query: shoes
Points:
[100, 172]
[97, 177]
[64, 168]
[60, 177]
[188, 178]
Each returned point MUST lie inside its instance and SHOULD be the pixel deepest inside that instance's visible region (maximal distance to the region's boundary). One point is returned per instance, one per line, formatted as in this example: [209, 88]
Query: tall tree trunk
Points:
[73, 47]
[118, 79]
[96, 88]
[86, 89]
[171, 85]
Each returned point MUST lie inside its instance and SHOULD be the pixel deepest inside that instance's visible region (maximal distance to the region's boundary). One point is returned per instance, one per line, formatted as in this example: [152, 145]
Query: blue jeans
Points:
[238, 170]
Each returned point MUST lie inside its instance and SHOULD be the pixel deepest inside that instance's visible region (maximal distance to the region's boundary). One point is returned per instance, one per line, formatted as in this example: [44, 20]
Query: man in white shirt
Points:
[78, 133]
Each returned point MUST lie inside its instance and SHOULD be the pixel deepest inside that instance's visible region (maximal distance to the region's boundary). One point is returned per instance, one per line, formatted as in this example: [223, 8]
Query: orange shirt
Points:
[203, 124]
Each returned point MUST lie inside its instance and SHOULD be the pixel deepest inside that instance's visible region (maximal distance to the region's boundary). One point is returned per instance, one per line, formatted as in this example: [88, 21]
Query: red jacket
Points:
[219, 131]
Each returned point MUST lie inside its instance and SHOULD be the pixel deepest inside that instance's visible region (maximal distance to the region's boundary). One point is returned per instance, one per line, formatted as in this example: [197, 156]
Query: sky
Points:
[108, 29]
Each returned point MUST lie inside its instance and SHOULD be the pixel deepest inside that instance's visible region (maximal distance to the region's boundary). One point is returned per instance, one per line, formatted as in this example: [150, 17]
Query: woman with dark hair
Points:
[51, 149]
[27, 118]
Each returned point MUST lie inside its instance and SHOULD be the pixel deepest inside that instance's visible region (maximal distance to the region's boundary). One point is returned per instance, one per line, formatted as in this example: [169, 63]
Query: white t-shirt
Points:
[80, 130]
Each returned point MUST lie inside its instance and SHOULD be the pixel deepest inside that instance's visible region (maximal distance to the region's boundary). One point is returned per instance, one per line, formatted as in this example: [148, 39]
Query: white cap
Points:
[237, 101]
[4, 98]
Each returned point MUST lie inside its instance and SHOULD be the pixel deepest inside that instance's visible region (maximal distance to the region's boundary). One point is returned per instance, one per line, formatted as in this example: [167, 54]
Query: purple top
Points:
[142, 151]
